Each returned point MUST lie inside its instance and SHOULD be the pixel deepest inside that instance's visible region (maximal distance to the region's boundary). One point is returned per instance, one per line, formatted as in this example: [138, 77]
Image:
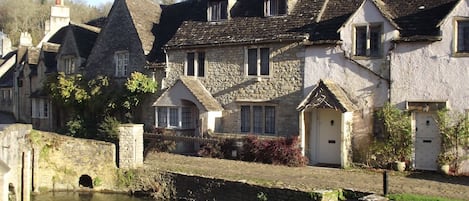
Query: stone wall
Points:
[130, 146]
[15, 152]
[226, 80]
[60, 161]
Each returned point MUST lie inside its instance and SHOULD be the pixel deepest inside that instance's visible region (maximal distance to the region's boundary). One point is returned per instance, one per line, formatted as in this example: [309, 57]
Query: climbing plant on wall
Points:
[93, 106]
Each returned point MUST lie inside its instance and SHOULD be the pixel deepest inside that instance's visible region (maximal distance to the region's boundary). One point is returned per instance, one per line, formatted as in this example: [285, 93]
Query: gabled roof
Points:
[144, 14]
[415, 19]
[85, 37]
[171, 19]
[328, 95]
[418, 17]
[197, 90]
[252, 29]
[334, 15]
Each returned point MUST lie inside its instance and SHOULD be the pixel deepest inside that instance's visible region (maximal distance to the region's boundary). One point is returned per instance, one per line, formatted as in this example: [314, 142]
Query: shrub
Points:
[280, 151]
[212, 150]
[75, 127]
[108, 129]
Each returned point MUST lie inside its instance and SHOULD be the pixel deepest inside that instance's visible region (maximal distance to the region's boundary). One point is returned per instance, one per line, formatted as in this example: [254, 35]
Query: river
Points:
[74, 196]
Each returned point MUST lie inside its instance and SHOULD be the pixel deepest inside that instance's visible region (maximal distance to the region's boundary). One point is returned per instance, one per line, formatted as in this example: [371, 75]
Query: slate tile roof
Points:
[85, 37]
[145, 14]
[327, 94]
[199, 91]
[419, 17]
[242, 29]
[319, 18]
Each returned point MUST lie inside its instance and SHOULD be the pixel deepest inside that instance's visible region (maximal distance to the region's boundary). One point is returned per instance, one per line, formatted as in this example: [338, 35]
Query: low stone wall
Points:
[200, 188]
[67, 163]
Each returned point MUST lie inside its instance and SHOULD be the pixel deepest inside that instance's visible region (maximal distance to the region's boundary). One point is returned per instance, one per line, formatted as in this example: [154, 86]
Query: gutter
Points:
[224, 44]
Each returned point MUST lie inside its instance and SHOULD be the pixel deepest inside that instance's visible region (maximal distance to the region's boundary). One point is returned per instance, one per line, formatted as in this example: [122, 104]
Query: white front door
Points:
[427, 141]
[328, 133]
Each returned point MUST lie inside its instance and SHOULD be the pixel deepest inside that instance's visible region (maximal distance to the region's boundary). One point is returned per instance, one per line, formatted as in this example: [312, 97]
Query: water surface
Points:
[85, 196]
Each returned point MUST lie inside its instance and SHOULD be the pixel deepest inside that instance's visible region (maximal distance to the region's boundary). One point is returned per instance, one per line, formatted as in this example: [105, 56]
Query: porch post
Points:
[302, 132]
[345, 138]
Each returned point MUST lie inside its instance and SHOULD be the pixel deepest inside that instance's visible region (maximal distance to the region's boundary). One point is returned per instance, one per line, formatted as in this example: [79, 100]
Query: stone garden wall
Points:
[67, 163]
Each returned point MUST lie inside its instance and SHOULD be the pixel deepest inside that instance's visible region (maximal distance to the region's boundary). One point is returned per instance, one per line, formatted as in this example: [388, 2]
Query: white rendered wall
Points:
[427, 71]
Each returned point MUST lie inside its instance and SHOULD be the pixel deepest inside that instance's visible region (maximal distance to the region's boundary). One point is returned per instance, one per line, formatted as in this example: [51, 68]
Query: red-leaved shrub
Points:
[279, 151]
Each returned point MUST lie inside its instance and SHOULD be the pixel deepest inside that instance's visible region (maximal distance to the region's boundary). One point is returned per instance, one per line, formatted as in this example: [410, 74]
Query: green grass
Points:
[410, 197]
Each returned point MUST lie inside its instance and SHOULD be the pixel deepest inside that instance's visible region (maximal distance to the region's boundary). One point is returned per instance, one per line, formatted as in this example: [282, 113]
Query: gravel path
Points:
[309, 178]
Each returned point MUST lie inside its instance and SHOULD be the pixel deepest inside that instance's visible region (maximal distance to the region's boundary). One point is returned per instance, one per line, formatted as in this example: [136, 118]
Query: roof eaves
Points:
[241, 42]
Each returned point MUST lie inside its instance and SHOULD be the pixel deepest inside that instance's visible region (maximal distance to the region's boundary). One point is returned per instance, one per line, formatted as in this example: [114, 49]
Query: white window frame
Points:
[258, 62]
[180, 124]
[121, 60]
[196, 63]
[456, 42]
[369, 53]
[40, 108]
[69, 64]
[253, 119]
[215, 10]
[269, 11]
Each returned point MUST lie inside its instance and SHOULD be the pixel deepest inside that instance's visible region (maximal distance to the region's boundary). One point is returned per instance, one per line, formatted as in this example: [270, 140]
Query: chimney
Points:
[59, 16]
[26, 39]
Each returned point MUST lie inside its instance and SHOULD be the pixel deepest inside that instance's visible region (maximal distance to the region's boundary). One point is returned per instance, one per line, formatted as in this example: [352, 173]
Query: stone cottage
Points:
[239, 70]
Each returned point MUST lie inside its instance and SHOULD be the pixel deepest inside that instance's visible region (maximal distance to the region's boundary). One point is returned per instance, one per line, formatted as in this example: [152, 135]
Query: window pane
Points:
[265, 61]
[252, 61]
[224, 9]
[360, 43]
[282, 7]
[463, 36]
[190, 64]
[162, 117]
[257, 119]
[245, 119]
[46, 108]
[375, 41]
[201, 64]
[174, 117]
[270, 119]
[186, 117]
[273, 7]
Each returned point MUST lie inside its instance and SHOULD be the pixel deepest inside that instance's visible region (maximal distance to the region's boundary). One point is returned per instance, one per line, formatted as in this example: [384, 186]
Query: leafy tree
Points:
[97, 104]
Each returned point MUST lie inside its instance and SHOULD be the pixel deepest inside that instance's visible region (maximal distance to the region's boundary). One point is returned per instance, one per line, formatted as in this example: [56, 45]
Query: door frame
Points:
[346, 119]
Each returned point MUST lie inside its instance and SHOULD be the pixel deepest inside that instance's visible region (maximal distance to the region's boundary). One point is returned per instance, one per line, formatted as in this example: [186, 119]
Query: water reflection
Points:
[84, 196]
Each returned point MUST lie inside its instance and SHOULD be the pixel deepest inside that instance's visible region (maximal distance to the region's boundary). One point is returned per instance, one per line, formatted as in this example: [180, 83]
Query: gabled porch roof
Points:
[187, 88]
[327, 94]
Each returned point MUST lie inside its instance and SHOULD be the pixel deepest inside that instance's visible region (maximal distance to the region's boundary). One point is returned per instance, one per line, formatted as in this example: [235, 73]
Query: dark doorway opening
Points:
[86, 181]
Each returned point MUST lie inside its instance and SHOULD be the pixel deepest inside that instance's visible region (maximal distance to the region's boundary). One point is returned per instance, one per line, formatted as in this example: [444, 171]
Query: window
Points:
[275, 7]
[122, 61]
[174, 117]
[195, 64]
[5, 96]
[69, 65]
[258, 119]
[368, 40]
[217, 10]
[40, 108]
[258, 62]
[462, 45]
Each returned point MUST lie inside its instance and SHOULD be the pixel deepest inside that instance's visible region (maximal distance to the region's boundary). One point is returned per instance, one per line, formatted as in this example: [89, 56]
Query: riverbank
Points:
[307, 179]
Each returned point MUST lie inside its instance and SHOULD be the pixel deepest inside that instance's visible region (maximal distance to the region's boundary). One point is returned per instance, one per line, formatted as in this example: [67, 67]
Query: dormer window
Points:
[217, 10]
[69, 65]
[275, 7]
[368, 40]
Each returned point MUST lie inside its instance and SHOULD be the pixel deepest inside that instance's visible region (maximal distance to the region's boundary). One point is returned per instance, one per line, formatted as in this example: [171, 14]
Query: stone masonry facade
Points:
[225, 78]
[130, 146]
